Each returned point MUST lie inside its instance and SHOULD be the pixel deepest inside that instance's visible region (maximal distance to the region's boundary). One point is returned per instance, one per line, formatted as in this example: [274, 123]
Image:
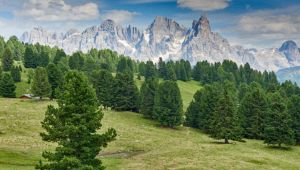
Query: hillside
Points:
[141, 143]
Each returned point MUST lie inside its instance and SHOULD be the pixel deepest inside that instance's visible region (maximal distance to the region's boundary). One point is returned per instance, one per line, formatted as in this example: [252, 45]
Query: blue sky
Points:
[251, 23]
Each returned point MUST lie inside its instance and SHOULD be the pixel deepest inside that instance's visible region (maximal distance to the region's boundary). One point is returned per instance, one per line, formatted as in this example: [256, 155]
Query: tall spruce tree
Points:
[168, 105]
[148, 91]
[59, 55]
[73, 125]
[55, 78]
[29, 57]
[76, 61]
[278, 122]
[40, 86]
[16, 73]
[294, 110]
[200, 112]
[225, 123]
[103, 82]
[254, 108]
[7, 86]
[126, 94]
[7, 60]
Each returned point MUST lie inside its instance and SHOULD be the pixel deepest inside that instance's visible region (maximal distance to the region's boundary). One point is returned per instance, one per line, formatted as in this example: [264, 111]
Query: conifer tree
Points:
[29, 58]
[7, 86]
[76, 61]
[150, 70]
[278, 122]
[126, 94]
[225, 122]
[59, 55]
[55, 78]
[7, 60]
[294, 111]
[103, 82]
[40, 86]
[74, 125]
[16, 73]
[254, 108]
[148, 91]
[168, 105]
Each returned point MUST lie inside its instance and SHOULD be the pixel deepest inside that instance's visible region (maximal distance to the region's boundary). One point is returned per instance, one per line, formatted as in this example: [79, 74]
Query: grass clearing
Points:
[140, 144]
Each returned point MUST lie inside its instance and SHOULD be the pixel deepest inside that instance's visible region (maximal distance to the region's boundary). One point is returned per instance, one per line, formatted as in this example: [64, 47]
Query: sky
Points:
[250, 23]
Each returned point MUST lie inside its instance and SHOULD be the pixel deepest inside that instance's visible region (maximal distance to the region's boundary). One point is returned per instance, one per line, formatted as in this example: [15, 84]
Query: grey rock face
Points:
[167, 39]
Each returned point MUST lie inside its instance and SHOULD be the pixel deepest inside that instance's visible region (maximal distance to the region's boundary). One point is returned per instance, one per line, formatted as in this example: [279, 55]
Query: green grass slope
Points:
[140, 144]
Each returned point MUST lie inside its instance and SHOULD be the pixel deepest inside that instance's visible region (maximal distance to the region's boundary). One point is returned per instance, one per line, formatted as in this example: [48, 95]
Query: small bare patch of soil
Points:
[122, 154]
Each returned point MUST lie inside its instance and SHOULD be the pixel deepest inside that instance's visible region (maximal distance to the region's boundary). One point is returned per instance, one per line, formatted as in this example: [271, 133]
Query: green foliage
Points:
[254, 109]
[103, 82]
[199, 114]
[225, 122]
[7, 86]
[7, 60]
[55, 78]
[76, 61]
[168, 105]
[59, 55]
[278, 122]
[150, 70]
[73, 126]
[17, 48]
[16, 73]
[126, 94]
[40, 85]
[148, 91]
[29, 59]
[125, 65]
[294, 111]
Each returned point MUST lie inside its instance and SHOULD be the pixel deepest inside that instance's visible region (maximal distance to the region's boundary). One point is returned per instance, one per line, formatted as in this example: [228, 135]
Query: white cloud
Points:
[57, 10]
[270, 27]
[285, 21]
[119, 16]
[203, 5]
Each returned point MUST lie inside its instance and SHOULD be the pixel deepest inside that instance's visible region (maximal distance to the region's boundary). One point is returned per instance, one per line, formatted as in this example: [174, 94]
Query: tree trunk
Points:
[226, 141]
[279, 145]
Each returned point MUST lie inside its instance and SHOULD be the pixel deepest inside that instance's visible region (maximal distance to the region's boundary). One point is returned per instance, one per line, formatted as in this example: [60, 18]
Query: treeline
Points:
[235, 102]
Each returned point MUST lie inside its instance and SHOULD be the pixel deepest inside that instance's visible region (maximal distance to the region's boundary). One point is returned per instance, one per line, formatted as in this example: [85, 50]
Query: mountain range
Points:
[167, 39]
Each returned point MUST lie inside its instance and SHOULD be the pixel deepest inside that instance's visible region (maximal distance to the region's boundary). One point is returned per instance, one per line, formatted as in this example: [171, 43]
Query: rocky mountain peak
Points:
[289, 45]
[108, 25]
[291, 51]
[201, 26]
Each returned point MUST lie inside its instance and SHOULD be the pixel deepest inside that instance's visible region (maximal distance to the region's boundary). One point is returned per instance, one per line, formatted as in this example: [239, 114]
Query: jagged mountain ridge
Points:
[167, 39]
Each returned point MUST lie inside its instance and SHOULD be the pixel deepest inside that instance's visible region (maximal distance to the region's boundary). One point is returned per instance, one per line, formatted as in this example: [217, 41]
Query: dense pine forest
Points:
[234, 103]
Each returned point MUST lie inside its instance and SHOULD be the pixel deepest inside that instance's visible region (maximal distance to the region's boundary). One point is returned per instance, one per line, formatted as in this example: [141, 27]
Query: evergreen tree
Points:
[294, 111]
[162, 70]
[43, 58]
[7, 60]
[103, 82]
[59, 55]
[199, 114]
[148, 91]
[40, 86]
[225, 122]
[182, 72]
[170, 71]
[29, 57]
[278, 122]
[126, 94]
[16, 73]
[150, 70]
[76, 61]
[55, 78]
[7, 86]
[254, 108]
[73, 125]
[168, 105]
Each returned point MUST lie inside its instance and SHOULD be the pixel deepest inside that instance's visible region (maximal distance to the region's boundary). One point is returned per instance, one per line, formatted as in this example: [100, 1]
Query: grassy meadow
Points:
[140, 144]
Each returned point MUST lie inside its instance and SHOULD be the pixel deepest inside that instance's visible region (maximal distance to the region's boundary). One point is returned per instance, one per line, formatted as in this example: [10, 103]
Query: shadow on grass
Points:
[281, 148]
